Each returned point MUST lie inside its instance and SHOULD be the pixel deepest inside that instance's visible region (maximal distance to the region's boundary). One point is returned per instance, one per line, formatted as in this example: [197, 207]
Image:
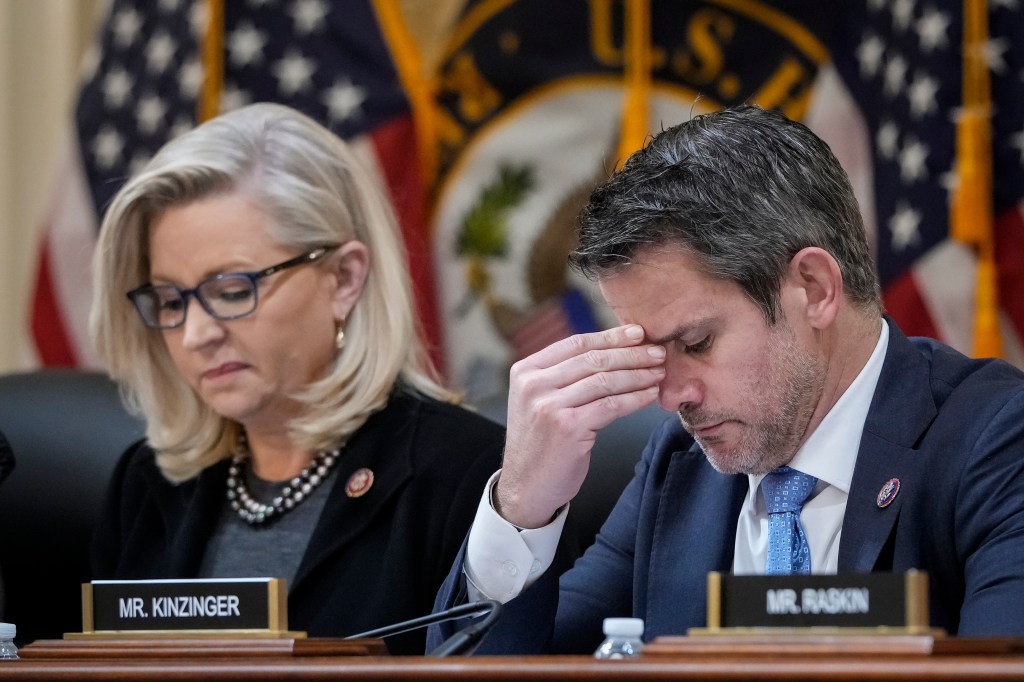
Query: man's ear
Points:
[816, 277]
[350, 265]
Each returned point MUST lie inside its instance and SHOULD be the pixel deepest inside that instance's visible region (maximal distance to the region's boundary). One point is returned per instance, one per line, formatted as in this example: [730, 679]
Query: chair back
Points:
[67, 429]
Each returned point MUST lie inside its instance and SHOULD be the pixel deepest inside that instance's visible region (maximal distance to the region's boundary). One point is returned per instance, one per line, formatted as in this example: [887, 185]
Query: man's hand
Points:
[558, 399]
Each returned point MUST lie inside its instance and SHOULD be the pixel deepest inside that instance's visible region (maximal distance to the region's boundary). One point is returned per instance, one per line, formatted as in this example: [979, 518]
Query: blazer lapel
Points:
[203, 505]
[901, 411]
[694, 533]
[382, 446]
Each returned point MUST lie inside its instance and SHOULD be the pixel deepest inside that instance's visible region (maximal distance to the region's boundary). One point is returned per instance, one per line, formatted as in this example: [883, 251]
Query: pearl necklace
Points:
[298, 489]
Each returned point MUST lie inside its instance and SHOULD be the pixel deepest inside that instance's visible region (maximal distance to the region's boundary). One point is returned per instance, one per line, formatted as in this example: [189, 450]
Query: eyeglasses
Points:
[225, 297]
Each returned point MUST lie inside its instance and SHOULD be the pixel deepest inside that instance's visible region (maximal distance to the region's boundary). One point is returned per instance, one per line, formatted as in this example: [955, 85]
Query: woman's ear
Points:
[350, 265]
[816, 277]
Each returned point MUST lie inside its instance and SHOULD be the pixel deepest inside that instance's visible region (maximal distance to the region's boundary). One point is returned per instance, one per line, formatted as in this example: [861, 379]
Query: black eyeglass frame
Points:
[254, 277]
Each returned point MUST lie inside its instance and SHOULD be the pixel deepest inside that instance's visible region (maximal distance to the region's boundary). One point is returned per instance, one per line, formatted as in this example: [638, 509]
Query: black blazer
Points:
[371, 561]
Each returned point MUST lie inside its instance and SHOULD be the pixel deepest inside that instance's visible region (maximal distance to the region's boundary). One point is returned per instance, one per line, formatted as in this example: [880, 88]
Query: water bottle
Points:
[7, 648]
[622, 638]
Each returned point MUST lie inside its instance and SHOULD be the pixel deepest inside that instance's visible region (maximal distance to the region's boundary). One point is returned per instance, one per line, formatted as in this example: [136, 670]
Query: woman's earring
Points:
[339, 338]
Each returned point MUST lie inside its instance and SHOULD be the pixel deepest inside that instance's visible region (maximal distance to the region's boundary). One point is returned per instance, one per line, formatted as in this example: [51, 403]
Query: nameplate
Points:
[250, 605]
[858, 602]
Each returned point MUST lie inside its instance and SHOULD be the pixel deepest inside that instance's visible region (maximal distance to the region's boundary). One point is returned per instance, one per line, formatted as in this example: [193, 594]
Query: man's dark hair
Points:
[743, 190]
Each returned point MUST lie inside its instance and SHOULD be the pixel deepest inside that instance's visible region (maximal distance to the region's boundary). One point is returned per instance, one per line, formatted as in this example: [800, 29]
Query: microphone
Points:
[458, 644]
[6, 458]
[464, 642]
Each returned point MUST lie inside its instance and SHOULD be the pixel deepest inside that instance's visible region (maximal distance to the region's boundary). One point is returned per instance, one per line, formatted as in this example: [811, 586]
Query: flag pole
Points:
[972, 213]
[417, 83]
[213, 62]
[637, 57]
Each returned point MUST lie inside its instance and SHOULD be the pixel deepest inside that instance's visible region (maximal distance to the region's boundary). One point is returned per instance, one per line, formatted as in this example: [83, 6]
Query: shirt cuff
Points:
[502, 560]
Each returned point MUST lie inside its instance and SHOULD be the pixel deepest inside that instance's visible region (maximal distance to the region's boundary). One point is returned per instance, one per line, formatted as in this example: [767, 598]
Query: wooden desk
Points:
[743, 658]
[495, 669]
[518, 669]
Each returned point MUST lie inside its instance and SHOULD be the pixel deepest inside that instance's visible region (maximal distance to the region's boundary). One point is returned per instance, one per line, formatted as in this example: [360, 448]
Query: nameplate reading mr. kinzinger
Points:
[236, 605]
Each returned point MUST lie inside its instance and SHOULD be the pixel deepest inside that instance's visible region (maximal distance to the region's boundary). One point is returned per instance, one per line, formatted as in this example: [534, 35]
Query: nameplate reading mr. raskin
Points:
[143, 605]
[869, 600]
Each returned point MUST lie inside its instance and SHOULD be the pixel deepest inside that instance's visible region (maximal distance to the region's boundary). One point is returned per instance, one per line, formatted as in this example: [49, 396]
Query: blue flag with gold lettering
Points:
[534, 98]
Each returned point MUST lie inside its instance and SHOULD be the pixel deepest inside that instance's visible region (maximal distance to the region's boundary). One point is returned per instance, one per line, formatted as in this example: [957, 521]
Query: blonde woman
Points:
[253, 303]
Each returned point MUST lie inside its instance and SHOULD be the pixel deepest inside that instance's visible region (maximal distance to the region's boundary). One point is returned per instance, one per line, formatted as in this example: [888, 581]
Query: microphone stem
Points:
[462, 641]
[461, 611]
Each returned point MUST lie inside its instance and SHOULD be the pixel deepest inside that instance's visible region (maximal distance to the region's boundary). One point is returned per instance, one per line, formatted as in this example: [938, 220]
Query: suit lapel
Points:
[901, 411]
[195, 527]
[694, 533]
[384, 446]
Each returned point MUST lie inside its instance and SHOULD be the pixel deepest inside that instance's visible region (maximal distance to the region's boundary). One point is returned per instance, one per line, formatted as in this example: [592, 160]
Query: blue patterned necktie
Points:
[784, 491]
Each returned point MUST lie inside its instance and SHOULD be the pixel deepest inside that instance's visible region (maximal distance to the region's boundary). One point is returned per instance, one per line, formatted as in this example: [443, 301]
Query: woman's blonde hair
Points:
[315, 193]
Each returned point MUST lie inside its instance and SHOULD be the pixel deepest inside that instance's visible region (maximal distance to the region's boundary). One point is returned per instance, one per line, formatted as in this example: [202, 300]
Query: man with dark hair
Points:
[733, 252]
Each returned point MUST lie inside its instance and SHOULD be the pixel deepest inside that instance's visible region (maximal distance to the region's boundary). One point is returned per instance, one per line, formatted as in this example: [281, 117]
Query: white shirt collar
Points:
[830, 452]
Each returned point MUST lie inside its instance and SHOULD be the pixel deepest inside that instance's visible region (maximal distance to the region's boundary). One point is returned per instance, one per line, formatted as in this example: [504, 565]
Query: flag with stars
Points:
[903, 65]
[141, 88]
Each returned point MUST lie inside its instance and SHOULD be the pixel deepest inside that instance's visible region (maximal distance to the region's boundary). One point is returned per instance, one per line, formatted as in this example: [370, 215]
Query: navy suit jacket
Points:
[951, 429]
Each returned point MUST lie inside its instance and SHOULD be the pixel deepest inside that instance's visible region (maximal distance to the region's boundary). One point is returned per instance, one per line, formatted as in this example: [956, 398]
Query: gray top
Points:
[271, 550]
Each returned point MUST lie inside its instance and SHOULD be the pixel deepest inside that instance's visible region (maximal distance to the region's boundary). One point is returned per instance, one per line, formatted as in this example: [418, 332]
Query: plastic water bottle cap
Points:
[8, 630]
[623, 627]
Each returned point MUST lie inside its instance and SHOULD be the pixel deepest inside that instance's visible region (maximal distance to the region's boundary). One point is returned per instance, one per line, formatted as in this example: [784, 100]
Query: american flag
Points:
[142, 84]
[902, 62]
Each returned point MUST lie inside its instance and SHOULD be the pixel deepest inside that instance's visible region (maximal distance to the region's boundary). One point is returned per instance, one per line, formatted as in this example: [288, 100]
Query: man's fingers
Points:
[589, 417]
[590, 367]
[594, 387]
[560, 351]
[558, 398]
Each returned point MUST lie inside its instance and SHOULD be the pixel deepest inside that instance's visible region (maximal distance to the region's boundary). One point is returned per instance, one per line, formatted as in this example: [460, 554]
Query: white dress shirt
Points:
[502, 560]
[829, 454]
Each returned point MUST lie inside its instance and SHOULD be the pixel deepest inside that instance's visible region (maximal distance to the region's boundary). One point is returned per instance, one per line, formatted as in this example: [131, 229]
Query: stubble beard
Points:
[776, 417]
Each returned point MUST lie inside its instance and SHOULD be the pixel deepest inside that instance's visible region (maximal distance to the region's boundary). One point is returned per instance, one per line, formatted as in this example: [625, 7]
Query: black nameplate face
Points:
[142, 605]
[867, 600]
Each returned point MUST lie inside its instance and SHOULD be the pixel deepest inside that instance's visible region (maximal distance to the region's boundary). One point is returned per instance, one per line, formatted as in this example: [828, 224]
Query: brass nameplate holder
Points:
[868, 603]
[819, 615]
[243, 607]
[160, 619]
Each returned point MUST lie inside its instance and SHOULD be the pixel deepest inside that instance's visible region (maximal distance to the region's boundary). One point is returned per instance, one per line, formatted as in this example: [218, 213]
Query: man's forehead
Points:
[663, 313]
[652, 271]
[669, 295]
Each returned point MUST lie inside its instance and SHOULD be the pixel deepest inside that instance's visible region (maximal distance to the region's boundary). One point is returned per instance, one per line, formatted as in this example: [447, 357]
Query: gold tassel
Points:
[416, 81]
[213, 62]
[971, 219]
[637, 56]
